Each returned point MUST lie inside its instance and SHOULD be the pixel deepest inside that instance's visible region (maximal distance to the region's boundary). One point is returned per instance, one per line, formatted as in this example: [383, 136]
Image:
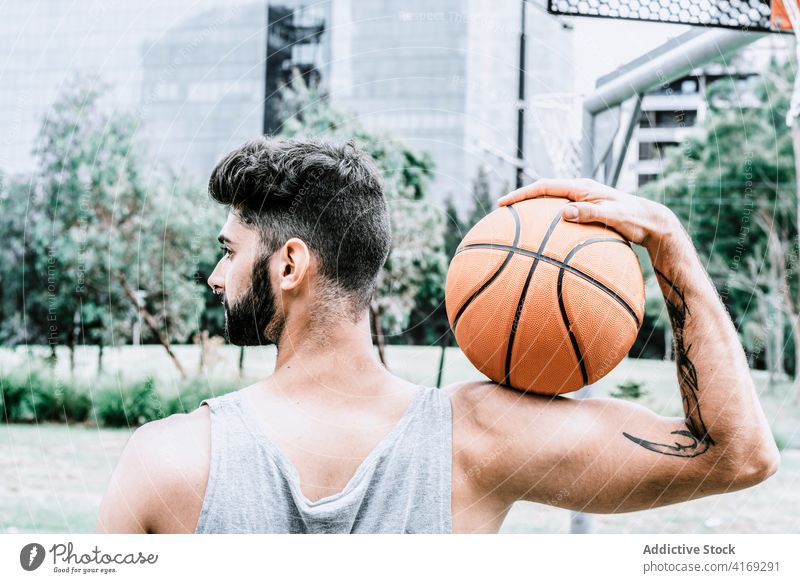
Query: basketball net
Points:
[557, 119]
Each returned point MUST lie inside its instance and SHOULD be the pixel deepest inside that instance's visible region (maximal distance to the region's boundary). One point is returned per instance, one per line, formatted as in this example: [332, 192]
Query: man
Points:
[333, 442]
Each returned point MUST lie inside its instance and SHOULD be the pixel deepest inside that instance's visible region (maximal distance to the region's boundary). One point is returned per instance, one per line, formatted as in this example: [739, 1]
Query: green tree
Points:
[16, 325]
[456, 226]
[733, 185]
[482, 200]
[107, 235]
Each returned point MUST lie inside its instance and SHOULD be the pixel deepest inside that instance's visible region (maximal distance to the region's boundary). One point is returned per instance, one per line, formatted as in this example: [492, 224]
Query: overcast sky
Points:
[602, 45]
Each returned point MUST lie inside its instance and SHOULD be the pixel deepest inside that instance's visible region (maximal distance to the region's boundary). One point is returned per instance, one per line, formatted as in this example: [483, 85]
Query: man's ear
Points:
[295, 264]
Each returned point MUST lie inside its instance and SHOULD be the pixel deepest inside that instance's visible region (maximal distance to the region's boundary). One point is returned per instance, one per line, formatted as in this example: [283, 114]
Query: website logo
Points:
[31, 556]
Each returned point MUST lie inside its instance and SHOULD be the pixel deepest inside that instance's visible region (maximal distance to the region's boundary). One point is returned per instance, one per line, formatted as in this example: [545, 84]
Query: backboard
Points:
[750, 15]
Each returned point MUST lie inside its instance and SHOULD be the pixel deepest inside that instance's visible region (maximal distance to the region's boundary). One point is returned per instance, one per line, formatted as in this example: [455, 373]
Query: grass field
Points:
[53, 476]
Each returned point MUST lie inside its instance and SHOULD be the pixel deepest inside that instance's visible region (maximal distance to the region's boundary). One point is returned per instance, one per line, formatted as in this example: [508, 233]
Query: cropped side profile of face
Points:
[242, 282]
[307, 231]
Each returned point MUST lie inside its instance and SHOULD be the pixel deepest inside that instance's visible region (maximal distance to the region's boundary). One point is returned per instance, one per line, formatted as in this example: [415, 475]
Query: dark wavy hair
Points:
[329, 194]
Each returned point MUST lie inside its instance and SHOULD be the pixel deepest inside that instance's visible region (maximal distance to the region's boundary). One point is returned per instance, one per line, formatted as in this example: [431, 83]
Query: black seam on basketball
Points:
[563, 308]
[572, 338]
[562, 265]
[513, 332]
[608, 290]
[591, 241]
[489, 281]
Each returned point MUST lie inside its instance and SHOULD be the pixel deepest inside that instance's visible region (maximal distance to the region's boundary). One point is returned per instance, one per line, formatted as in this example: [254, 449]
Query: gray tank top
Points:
[402, 486]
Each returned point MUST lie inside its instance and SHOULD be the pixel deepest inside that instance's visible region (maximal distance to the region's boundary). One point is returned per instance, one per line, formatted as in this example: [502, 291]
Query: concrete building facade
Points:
[203, 76]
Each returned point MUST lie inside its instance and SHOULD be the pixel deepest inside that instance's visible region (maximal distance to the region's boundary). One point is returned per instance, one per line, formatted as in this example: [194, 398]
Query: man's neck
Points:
[333, 356]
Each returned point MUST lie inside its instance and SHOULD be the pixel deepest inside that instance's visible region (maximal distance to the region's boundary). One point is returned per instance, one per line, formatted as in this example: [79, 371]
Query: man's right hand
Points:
[638, 219]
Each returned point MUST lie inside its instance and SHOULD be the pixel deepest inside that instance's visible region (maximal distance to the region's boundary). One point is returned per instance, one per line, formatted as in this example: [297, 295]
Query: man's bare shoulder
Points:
[483, 405]
[159, 482]
[477, 416]
[488, 418]
[168, 463]
[181, 437]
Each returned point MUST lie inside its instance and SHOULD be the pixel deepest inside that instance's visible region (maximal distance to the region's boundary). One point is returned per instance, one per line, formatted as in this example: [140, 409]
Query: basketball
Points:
[543, 304]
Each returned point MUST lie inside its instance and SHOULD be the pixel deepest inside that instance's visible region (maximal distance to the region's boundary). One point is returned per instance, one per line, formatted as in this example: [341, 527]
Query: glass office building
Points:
[193, 71]
[203, 76]
[443, 75]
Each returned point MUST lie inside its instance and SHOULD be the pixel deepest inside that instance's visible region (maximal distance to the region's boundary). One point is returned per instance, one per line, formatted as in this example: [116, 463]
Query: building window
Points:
[685, 86]
[689, 86]
[645, 178]
[654, 150]
[668, 119]
[647, 119]
[294, 42]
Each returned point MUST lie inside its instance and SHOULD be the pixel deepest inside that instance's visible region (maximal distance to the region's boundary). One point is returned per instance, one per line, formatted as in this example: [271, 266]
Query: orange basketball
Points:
[543, 304]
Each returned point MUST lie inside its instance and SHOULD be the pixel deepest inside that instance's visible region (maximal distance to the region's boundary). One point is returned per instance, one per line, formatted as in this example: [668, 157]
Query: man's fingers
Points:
[516, 196]
[576, 190]
[585, 212]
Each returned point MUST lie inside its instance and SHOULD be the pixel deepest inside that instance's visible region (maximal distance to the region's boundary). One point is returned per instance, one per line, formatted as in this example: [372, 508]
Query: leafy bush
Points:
[59, 401]
[12, 394]
[191, 392]
[39, 398]
[129, 406]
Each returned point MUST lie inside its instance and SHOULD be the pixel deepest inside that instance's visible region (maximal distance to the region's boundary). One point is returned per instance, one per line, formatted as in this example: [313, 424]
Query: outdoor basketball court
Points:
[590, 134]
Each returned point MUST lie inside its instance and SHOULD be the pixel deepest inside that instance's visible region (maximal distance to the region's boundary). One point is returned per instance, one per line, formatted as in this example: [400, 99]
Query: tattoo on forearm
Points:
[697, 437]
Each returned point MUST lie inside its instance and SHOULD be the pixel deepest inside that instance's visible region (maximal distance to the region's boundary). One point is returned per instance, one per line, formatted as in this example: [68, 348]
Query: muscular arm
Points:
[607, 455]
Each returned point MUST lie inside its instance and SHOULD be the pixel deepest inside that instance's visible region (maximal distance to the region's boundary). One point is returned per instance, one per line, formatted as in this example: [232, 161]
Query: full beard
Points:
[251, 321]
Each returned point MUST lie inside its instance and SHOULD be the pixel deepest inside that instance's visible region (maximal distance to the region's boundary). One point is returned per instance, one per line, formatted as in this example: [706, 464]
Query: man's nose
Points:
[216, 281]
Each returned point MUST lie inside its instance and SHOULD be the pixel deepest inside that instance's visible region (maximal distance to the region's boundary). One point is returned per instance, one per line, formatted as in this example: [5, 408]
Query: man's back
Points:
[402, 485]
[174, 477]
